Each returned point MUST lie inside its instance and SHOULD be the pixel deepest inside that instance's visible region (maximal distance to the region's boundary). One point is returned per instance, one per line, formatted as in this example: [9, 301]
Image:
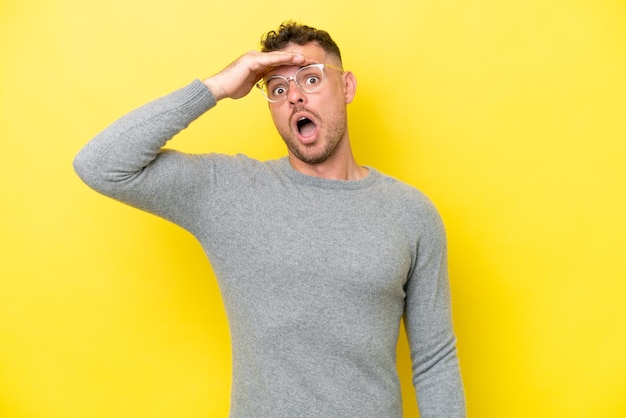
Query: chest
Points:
[298, 244]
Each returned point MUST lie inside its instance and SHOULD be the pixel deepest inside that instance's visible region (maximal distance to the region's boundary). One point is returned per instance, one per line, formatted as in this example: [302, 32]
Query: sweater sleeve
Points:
[428, 322]
[127, 162]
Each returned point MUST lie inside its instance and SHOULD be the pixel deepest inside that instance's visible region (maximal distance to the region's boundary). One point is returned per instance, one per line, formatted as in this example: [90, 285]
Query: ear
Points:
[349, 86]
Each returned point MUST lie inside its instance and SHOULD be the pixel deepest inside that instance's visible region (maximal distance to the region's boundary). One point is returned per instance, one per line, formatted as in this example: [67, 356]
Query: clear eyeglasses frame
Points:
[308, 79]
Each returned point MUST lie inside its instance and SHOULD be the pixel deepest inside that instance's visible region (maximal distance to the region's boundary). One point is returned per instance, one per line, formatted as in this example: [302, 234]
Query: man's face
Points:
[314, 125]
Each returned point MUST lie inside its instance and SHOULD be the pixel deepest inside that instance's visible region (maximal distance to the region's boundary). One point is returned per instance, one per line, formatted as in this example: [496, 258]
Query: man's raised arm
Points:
[126, 161]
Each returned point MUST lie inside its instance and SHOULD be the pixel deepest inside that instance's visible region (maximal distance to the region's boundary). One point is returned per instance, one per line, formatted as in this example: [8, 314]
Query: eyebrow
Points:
[282, 66]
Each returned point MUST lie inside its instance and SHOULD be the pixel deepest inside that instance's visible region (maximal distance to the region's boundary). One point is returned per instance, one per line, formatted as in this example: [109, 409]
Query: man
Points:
[317, 257]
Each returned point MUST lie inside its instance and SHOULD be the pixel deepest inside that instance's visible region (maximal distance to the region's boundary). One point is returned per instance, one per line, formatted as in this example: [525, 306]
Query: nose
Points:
[294, 94]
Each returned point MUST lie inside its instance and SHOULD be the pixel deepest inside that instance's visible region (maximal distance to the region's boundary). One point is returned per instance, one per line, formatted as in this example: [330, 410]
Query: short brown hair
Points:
[292, 32]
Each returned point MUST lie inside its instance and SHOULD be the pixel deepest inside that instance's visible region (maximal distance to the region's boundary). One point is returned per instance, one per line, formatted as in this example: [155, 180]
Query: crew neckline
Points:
[305, 179]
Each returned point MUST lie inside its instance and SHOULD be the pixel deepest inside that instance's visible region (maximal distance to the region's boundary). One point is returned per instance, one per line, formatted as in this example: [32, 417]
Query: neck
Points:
[334, 168]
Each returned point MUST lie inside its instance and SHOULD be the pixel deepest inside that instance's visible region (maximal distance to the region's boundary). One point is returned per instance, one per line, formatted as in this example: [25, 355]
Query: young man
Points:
[317, 257]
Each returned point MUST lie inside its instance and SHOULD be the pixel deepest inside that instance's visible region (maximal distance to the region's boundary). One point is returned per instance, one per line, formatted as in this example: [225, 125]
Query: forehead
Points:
[310, 50]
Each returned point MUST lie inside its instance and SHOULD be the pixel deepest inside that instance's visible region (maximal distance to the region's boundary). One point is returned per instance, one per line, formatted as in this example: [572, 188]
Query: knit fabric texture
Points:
[315, 274]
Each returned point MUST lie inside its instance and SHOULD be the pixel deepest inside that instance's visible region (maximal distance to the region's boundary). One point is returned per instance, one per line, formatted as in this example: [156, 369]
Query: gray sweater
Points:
[315, 274]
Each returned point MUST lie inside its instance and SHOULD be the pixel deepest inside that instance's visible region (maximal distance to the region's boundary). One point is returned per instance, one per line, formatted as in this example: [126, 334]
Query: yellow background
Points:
[509, 115]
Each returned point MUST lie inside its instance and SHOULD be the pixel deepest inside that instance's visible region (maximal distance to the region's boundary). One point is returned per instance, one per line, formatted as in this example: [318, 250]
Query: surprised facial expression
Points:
[313, 125]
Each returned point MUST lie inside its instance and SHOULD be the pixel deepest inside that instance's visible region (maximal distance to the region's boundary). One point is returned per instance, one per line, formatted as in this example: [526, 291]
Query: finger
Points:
[279, 58]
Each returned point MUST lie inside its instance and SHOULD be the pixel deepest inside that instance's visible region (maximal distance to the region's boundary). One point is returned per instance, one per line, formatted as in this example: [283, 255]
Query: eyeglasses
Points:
[308, 79]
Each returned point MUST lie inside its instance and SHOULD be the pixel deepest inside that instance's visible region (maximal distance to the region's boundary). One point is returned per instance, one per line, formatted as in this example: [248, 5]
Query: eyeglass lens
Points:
[308, 79]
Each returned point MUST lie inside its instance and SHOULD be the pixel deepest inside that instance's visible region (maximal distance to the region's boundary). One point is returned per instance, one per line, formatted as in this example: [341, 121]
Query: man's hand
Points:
[236, 80]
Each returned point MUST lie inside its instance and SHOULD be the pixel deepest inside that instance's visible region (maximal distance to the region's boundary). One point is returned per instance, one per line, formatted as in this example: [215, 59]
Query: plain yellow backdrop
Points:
[509, 115]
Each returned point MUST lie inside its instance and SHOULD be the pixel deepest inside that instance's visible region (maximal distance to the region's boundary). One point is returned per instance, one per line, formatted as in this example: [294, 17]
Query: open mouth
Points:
[306, 127]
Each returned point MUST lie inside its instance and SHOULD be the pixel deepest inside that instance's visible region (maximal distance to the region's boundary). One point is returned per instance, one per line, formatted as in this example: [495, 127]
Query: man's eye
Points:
[312, 79]
[279, 91]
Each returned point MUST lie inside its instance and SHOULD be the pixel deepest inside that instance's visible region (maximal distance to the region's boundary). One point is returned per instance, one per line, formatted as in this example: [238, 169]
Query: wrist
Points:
[212, 85]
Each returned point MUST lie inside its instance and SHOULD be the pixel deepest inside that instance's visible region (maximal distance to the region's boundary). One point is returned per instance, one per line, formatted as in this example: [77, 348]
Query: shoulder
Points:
[238, 172]
[238, 164]
[409, 204]
[404, 194]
